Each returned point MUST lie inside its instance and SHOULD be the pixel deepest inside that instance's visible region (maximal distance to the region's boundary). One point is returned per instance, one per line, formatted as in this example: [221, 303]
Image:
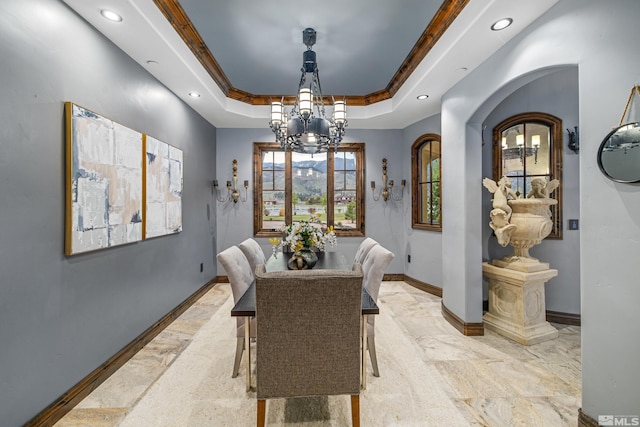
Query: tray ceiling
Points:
[381, 54]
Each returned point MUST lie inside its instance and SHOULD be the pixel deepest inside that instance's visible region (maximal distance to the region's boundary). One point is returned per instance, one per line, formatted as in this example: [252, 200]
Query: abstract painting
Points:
[163, 214]
[104, 196]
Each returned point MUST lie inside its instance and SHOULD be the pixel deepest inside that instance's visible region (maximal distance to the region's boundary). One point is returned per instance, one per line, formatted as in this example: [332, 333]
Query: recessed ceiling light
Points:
[501, 24]
[110, 15]
[421, 97]
[194, 94]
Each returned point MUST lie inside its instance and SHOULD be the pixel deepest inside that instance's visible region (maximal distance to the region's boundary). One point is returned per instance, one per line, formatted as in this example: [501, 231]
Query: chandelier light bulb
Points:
[305, 100]
[340, 112]
[276, 113]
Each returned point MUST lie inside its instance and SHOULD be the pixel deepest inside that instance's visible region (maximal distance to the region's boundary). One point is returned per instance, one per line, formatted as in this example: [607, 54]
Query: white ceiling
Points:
[360, 45]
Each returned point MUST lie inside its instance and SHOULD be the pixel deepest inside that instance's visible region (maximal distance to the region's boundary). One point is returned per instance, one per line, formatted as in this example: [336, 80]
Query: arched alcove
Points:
[465, 138]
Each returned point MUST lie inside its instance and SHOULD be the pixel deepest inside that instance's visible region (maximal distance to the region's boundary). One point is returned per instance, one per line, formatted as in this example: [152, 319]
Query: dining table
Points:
[246, 305]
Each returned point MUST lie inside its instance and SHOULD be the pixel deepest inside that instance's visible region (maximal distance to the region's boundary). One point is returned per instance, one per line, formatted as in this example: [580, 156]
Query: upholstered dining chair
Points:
[252, 250]
[373, 268]
[364, 249]
[308, 341]
[240, 278]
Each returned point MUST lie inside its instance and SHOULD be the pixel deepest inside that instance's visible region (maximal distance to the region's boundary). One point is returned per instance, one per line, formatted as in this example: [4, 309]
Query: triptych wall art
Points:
[121, 186]
[163, 188]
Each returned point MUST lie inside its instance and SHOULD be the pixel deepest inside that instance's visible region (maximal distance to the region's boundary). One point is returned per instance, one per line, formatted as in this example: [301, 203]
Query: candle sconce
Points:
[386, 192]
[233, 192]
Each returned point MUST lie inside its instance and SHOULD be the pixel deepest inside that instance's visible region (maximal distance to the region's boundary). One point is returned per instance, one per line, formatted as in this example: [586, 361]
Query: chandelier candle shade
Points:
[306, 129]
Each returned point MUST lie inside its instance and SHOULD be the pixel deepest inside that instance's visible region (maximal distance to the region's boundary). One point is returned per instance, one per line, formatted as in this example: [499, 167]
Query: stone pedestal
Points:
[516, 303]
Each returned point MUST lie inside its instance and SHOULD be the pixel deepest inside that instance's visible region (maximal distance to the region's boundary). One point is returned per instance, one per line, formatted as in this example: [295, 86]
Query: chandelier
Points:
[306, 129]
[520, 151]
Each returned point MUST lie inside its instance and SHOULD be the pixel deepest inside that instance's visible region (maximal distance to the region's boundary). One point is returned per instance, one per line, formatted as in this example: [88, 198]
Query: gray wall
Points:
[556, 94]
[601, 37]
[424, 246]
[61, 317]
[383, 221]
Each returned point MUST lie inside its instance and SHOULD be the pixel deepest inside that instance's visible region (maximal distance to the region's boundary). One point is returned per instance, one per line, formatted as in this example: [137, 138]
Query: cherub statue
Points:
[501, 227]
[540, 188]
[501, 212]
[501, 192]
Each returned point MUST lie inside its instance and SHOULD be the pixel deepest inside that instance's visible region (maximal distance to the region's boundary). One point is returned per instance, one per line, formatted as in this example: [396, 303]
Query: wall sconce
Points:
[232, 187]
[387, 190]
[574, 140]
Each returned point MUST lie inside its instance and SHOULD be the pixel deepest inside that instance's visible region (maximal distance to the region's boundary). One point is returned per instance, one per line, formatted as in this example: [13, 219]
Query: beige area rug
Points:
[197, 389]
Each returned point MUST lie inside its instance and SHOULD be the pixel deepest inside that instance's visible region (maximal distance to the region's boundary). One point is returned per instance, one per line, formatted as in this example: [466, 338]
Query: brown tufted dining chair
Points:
[373, 268]
[308, 340]
[252, 250]
[240, 278]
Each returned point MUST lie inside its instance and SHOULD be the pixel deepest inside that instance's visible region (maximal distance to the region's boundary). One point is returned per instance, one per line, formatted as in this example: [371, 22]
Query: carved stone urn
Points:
[516, 282]
[532, 218]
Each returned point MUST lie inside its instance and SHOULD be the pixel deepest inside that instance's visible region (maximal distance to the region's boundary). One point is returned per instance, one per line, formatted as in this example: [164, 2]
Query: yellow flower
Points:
[274, 241]
[299, 246]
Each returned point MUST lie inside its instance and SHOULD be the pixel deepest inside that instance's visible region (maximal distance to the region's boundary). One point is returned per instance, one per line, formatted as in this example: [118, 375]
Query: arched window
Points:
[426, 187]
[529, 146]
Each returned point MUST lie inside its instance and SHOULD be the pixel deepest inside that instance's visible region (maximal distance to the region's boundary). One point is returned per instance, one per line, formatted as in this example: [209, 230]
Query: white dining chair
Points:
[252, 250]
[240, 278]
[364, 249]
[373, 268]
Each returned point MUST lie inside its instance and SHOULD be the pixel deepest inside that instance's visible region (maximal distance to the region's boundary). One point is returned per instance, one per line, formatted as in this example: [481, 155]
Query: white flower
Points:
[305, 234]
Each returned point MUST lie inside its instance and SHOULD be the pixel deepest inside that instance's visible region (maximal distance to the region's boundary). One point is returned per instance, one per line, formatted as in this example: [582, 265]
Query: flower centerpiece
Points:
[302, 237]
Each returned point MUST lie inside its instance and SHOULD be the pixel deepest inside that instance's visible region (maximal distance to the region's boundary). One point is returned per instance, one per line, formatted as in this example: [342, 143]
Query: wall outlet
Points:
[201, 267]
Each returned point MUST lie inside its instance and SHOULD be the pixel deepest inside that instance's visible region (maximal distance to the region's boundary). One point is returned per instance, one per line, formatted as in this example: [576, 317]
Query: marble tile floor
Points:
[431, 375]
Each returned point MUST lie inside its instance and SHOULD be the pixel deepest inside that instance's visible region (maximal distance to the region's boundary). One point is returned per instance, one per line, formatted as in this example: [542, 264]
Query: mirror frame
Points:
[555, 157]
[601, 151]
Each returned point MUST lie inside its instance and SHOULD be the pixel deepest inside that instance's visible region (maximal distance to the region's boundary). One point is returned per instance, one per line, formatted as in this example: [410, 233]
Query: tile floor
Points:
[431, 375]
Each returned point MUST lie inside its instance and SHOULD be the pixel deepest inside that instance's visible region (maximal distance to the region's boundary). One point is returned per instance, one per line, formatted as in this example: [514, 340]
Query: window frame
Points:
[416, 176]
[555, 157]
[356, 147]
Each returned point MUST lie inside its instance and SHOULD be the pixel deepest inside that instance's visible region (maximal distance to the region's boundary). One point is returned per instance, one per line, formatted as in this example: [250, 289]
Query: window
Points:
[528, 146]
[290, 186]
[427, 189]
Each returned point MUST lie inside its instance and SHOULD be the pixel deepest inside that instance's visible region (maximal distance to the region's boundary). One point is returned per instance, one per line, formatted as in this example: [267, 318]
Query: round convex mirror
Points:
[619, 154]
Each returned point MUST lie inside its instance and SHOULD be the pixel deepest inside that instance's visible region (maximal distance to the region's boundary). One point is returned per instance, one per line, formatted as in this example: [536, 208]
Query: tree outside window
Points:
[426, 169]
[290, 186]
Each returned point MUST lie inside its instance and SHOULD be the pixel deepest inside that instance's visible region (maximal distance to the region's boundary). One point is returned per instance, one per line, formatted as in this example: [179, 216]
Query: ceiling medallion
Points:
[305, 129]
